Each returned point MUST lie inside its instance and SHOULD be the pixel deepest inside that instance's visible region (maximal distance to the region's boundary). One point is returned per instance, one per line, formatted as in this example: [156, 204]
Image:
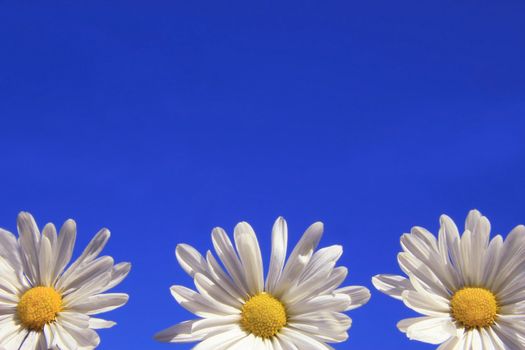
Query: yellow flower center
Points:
[474, 307]
[263, 315]
[39, 306]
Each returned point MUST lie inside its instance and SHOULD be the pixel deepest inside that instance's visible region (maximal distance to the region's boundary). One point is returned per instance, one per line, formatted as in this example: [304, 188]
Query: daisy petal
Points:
[358, 296]
[65, 244]
[100, 303]
[278, 257]
[428, 329]
[250, 255]
[392, 285]
[300, 257]
[98, 323]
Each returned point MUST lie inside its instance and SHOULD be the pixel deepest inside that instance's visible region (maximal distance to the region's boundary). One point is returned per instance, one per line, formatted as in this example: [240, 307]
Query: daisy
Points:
[470, 289]
[43, 305]
[298, 306]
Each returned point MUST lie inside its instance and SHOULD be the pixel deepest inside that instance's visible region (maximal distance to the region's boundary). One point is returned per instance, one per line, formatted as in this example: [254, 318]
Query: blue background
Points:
[163, 119]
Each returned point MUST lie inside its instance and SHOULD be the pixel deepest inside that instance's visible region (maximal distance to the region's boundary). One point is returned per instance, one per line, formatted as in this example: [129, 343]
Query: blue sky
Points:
[163, 119]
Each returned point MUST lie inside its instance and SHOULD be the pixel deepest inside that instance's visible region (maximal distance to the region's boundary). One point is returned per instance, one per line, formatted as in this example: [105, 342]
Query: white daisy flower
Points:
[299, 306]
[470, 289]
[43, 305]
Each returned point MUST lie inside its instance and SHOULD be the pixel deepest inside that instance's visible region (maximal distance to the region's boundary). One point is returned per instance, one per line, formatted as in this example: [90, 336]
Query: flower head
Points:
[469, 289]
[44, 304]
[298, 306]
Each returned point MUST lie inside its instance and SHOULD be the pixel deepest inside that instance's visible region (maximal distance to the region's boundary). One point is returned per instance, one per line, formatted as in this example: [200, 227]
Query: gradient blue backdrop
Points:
[163, 119]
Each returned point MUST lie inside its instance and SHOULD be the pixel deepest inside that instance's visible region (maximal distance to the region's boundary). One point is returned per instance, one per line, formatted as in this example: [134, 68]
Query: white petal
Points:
[98, 323]
[65, 244]
[180, 333]
[84, 337]
[9, 250]
[492, 261]
[494, 339]
[358, 296]
[41, 342]
[321, 258]
[423, 273]
[223, 279]
[45, 261]
[214, 322]
[453, 344]
[449, 249]
[487, 342]
[8, 328]
[480, 228]
[214, 292]
[428, 329]
[185, 332]
[16, 339]
[190, 260]
[96, 245]
[425, 304]
[259, 344]
[222, 340]
[197, 304]
[299, 258]
[61, 338]
[247, 342]
[78, 319]
[91, 252]
[250, 255]
[29, 239]
[92, 287]
[392, 285]
[285, 342]
[278, 257]
[47, 273]
[510, 333]
[118, 273]
[224, 249]
[30, 341]
[421, 245]
[337, 303]
[302, 341]
[512, 257]
[12, 282]
[79, 278]
[324, 286]
[316, 274]
[100, 303]
[324, 326]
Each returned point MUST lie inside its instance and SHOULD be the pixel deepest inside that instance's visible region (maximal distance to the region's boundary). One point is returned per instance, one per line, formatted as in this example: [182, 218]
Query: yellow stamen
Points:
[263, 315]
[474, 307]
[39, 306]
